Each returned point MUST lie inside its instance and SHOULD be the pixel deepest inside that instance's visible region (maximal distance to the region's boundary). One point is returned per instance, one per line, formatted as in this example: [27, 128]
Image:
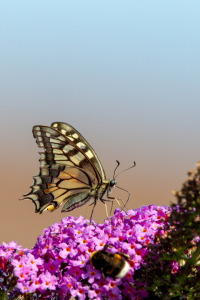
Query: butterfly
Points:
[70, 171]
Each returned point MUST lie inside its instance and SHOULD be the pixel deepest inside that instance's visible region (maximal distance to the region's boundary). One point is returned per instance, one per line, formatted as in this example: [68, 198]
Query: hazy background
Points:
[126, 74]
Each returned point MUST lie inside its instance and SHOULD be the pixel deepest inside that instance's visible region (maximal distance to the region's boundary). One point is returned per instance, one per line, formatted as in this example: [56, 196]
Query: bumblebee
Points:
[113, 265]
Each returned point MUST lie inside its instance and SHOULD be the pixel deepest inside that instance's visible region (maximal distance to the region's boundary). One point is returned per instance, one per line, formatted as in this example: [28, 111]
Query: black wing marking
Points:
[60, 150]
[56, 185]
[65, 171]
[71, 133]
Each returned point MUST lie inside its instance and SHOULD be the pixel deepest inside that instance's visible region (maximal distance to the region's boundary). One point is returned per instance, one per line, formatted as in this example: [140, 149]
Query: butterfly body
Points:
[70, 171]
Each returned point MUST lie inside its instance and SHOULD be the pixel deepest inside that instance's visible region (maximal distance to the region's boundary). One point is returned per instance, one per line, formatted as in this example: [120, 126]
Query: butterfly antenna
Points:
[134, 164]
[118, 163]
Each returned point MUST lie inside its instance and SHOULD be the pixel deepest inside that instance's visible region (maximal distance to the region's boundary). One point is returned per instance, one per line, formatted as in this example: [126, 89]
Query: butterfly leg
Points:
[95, 202]
[124, 205]
[106, 210]
[116, 199]
[103, 200]
[128, 195]
[111, 208]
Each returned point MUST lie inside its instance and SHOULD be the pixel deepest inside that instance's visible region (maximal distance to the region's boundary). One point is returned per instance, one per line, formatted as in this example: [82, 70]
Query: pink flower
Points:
[80, 291]
[33, 262]
[35, 284]
[23, 287]
[48, 281]
[22, 273]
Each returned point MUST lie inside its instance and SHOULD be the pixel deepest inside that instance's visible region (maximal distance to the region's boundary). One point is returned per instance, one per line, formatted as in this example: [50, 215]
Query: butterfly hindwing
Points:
[56, 184]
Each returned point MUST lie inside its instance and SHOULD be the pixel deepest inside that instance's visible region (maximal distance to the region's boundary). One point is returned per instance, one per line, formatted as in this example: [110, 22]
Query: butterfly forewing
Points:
[60, 150]
[73, 135]
[70, 169]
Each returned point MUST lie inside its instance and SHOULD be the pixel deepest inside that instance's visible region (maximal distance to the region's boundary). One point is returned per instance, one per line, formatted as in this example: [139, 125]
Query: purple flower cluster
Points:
[58, 265]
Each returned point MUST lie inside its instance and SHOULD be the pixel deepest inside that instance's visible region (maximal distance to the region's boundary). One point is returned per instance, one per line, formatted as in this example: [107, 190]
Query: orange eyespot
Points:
[50, 207]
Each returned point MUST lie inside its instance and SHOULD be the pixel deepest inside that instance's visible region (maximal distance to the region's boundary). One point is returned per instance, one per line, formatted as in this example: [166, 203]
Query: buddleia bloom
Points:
[58, 266]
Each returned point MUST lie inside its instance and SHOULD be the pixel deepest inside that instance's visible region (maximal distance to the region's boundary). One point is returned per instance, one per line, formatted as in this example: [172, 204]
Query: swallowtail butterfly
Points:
[70, 171]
